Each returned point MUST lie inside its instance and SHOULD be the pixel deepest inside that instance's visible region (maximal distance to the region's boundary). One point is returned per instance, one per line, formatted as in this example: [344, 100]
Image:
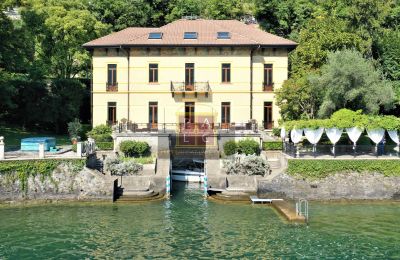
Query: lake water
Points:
[187, 226]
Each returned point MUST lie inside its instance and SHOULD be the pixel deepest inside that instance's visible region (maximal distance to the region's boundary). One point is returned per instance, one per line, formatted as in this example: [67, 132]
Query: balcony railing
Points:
[111, 86]
[189, 128]
[196, 87]
[268, 87]
[268, 125]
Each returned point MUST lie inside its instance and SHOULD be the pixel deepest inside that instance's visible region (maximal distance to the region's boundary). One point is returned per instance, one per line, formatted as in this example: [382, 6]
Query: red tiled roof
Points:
[240, 33]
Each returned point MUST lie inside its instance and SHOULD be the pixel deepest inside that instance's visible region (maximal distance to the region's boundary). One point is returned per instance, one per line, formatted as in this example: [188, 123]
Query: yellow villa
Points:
[189, 71]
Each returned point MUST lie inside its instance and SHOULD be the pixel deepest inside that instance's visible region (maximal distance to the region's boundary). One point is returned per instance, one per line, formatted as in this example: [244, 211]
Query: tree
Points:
[284, 17]
[61, 27]
[318, 38]
[298, 99]
[224, 9]
[121, 14]
[350, 81]
[180, 8]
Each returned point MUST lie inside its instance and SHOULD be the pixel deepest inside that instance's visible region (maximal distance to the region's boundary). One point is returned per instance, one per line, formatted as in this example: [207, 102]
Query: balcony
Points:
[268, 87]
[112, 87]
[196, 87]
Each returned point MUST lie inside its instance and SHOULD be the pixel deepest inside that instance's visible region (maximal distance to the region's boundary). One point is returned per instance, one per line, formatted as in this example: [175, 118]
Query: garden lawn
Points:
[13, 136]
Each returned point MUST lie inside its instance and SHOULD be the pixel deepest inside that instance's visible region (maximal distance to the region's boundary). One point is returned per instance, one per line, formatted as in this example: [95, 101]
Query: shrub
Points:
[247, 165]
[276, 131]
[134, 148]
[271, 146]
[318, 169]
[230, 147]
[74, 128]
[100, 130]
[105, 145]
[116, 166]
[248, 146]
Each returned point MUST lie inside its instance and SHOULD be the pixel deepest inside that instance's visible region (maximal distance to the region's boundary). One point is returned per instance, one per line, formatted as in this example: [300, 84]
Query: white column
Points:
[41, 150]
[2, 156]
[79, 149]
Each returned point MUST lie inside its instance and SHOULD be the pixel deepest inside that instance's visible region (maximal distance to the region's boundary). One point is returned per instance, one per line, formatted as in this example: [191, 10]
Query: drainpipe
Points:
[129, 82]
[91, 86]
[251, 80]
[128, 52]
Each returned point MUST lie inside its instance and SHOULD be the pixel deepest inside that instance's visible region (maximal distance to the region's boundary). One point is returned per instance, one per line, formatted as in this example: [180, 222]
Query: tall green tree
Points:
[120, 14]
[318, 38]
[298, 99]
[350, 81]
[61, 27]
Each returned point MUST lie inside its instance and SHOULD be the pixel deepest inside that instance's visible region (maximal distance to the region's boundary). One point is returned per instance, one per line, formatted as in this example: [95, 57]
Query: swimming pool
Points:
[32, 143]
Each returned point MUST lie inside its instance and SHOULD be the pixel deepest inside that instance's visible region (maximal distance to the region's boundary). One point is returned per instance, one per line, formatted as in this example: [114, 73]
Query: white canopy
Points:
[376, 135]
[354, 133]
[394, 135]
[334, 134]
[313, 135]
[283, 133]
[296, 135]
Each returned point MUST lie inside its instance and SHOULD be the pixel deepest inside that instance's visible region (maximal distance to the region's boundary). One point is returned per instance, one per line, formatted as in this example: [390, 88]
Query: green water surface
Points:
[187, 226]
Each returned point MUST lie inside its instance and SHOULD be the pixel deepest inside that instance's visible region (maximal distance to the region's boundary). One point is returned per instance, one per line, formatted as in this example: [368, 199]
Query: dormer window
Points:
[155, 35]
[223, 35]
[190, 35]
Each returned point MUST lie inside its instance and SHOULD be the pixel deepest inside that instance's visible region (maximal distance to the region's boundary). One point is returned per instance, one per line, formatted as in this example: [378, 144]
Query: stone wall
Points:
[62, 184]
[338, 186]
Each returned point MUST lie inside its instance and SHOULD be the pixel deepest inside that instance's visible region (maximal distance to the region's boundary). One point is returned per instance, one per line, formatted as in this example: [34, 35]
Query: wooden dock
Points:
[283, 207]
[288, 211]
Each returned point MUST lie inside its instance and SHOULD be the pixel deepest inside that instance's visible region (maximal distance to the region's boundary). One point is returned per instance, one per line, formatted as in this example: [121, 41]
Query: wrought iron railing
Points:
[268, 87]
[111, 86]
[128, 126]
[268, 125]
[196, 87]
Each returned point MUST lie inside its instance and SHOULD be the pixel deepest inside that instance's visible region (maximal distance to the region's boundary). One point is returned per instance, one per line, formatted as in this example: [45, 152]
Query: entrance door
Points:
[268, 122]
[225, 115]
[189, 115]
[189, 76]
[111, 113]
[153, 115]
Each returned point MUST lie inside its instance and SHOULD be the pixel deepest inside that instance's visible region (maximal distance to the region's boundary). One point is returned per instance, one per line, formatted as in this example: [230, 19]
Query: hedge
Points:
[318, 169]
[23, 169]
[345, 118]
[230, 147]
[273, 146]
[248, 146]
[105, 146]
[134, 148]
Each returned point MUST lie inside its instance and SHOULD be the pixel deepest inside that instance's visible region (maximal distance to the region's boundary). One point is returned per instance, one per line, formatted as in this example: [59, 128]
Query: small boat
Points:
[188, 171]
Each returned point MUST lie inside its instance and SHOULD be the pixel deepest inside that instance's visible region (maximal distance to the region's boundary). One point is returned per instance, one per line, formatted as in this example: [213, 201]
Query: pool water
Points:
[188, 226]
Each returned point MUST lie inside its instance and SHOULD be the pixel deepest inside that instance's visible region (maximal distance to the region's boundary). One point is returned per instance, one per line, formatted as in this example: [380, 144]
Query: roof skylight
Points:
[155, 35]
[223, 35]
[190, 35]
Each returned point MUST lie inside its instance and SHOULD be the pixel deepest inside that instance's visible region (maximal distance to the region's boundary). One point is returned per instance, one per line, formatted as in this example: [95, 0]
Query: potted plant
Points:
[74, 129]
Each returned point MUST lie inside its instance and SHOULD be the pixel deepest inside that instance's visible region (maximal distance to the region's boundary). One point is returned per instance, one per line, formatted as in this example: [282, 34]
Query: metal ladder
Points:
[302, 208]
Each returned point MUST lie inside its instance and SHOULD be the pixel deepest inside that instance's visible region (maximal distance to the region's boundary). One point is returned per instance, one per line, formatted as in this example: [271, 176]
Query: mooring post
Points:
[79, 149]
[41, 150]
[168, 186]
[2, 156]
[205, 182]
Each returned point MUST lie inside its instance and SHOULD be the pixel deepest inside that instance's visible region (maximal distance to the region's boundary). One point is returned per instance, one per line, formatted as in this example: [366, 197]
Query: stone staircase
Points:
[136, 188]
